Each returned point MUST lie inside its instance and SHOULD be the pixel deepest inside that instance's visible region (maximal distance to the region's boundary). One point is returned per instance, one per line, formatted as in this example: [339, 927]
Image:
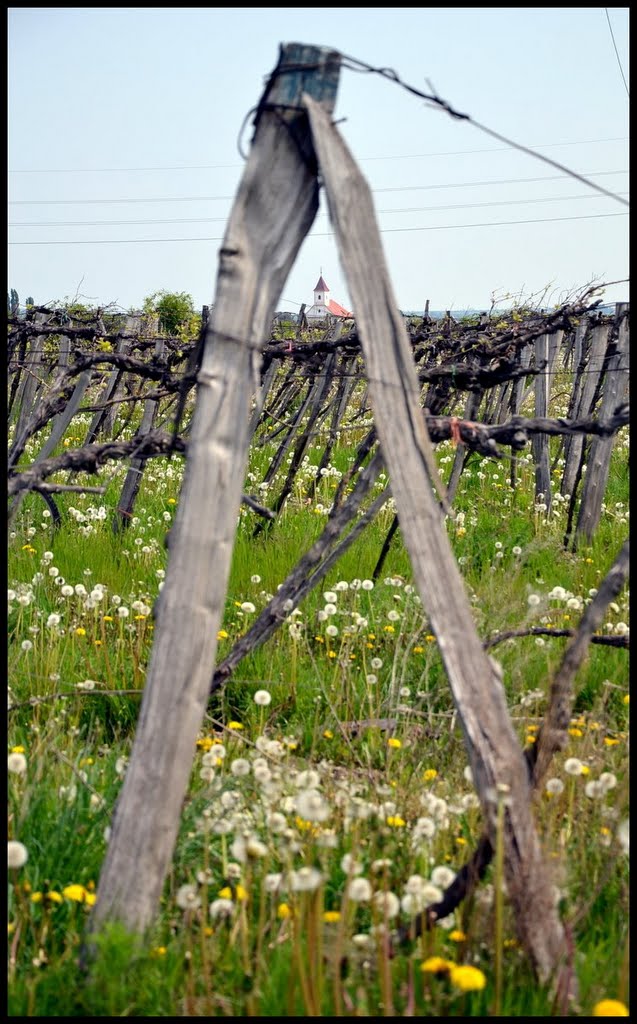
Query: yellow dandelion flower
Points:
[585, 770]
[467, 978]
[225, 893]
[461, 841]
[430, 638]
[10, 927]
[610, 1008]
[594, 726]
[388, 629]
[204, 743]
[158, 951]
[107, 618]
[511, 944]
[208, 931]
[436, 965]
[604, 830]
[18, 750]
[328, 734]
[395, 821]
[626, 698]
[54, 897]
[332, 654]
[394, 742]
[172, 501]
[36, 897]
[222, 635]
[331, 916]
[235, 725]
[530, 738]
[610, 741]
[532, 728]
[430, 773]
[283, 911]
[80, 631]
[77, 893]
[241, 894]
[457, 935]
[418, 650]
[98, 643]
[369, 646]
[575, 732]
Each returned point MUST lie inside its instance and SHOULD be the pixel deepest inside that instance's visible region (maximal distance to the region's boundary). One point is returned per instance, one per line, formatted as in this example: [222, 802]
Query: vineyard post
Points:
[495, 755]
[273, 211]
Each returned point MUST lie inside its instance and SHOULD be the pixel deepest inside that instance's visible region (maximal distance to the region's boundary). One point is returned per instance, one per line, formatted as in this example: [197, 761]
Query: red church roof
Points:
[320, 285]
[338, 310]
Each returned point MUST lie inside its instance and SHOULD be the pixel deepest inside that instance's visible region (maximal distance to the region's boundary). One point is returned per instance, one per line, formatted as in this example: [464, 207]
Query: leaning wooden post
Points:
[495, 755]
[272, 213]
[133, 481]
[601, 448]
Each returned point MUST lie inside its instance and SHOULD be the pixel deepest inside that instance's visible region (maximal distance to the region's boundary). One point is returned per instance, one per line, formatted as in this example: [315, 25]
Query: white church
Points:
[325, 308]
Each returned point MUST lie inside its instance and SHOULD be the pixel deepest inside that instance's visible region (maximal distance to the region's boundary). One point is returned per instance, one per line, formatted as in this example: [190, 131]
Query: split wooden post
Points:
[495, 755]
[601, 448]
[272, 213]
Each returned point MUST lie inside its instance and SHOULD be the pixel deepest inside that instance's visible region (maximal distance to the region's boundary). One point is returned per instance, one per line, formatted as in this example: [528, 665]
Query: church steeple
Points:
[320, 290]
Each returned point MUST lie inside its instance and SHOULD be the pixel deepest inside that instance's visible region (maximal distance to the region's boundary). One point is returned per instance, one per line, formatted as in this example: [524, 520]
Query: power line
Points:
[212, 220]
[317, 234]
[196, 199]
[215, 167]
[612, 35]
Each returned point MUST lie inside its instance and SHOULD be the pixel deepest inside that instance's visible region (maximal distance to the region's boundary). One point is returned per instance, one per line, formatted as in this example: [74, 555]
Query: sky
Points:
[126, 128]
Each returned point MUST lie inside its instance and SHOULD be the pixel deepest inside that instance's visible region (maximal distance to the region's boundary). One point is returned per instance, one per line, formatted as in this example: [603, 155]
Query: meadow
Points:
[330, 798]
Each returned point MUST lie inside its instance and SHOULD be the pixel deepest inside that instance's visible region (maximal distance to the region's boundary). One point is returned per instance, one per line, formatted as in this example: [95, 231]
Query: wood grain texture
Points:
[495, 755]
[272, 213]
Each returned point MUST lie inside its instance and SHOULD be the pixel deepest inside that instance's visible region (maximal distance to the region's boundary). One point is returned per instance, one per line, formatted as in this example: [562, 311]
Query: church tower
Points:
[325, 308]
[321, 303]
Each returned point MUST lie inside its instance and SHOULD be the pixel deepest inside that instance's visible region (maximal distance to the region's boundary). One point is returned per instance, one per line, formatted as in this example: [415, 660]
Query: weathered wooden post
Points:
[133, 480]
[495, 755]
[601, 448]
[540, 443]
[588, 372]
[105, 417]
[272, 213]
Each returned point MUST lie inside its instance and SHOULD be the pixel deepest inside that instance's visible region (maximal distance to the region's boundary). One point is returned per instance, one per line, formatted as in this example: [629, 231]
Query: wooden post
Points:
[107, 414]
[601, 448]
[540, 443]
[63, 419]
[133, 480]
[274, 209]
[495, 755]
[588, 373]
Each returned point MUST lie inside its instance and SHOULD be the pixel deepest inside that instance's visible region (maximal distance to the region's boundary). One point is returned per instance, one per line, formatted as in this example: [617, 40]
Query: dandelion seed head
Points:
[17, 854]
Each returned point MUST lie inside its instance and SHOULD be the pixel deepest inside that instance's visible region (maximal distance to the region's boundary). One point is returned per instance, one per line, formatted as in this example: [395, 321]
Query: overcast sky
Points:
[124, 126]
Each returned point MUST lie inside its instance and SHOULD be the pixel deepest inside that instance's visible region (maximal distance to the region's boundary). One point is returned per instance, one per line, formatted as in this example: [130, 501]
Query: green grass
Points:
[397, 802]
